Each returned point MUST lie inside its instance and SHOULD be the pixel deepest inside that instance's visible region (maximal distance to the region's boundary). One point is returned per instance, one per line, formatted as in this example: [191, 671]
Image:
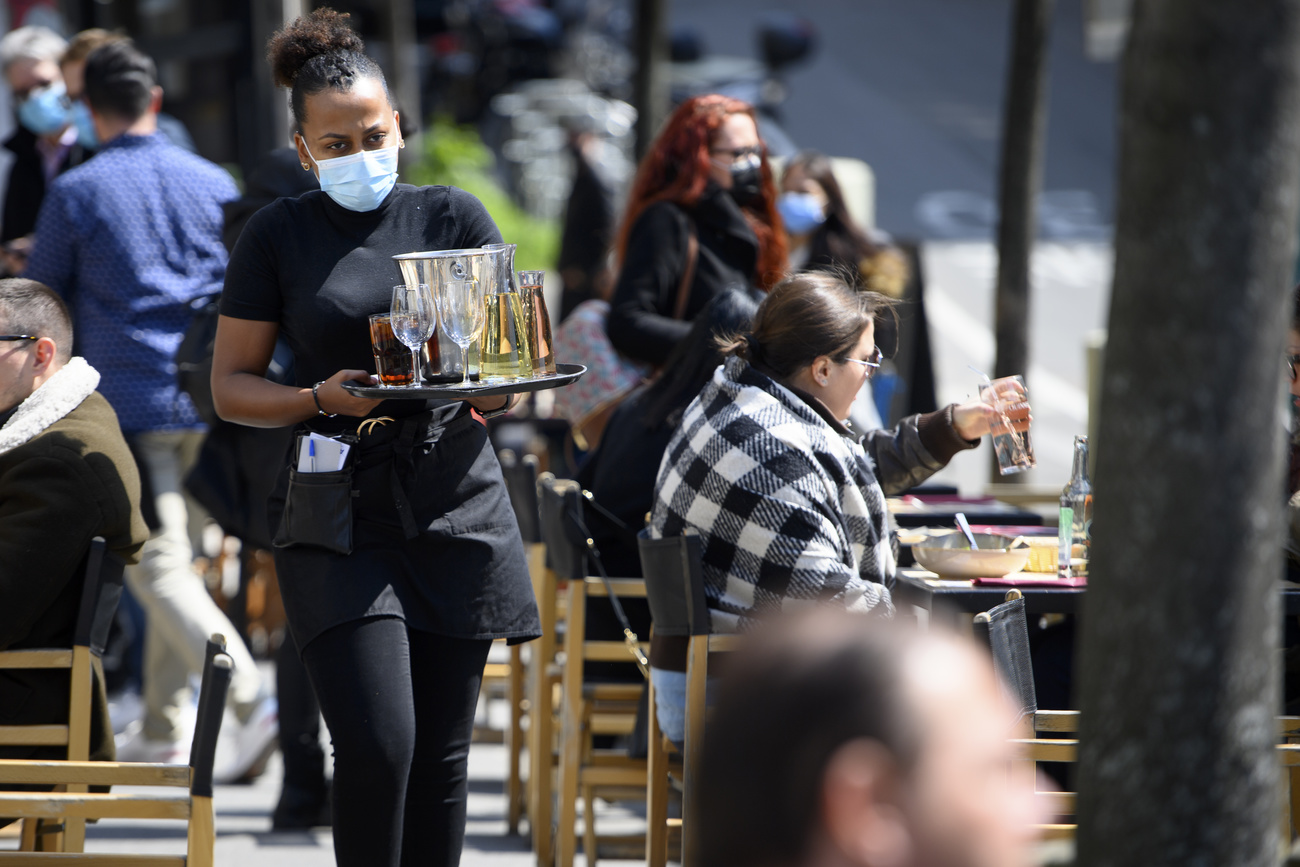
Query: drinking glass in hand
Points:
[392, 361]
[460, 304]
[414, 317]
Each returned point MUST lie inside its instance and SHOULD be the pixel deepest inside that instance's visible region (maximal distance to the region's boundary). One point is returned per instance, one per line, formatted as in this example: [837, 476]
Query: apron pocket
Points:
[318, 511]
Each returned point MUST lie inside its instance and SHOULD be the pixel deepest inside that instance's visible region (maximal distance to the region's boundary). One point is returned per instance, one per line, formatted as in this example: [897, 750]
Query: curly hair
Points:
[319, 52]
[676, 169]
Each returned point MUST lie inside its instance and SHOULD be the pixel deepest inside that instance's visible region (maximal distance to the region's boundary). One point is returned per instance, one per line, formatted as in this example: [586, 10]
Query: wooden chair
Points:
[587, 709]
[194, 806]
[665, 564]
[683, 555]
[101, 590]
[1005, 628]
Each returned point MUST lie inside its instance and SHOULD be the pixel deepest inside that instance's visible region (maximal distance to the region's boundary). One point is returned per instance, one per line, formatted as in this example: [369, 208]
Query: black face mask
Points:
[746, 182]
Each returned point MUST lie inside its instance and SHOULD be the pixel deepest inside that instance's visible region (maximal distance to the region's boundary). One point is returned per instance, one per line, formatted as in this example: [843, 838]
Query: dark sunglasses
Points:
[1291, 361]
[12, 337]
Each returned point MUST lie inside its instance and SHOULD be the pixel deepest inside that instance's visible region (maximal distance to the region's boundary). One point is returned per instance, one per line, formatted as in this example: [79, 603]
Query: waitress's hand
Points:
[334, 399]
[973, 419]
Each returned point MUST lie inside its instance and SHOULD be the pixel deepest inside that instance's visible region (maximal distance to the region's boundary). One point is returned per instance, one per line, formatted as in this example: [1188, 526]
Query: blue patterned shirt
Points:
[131, 239]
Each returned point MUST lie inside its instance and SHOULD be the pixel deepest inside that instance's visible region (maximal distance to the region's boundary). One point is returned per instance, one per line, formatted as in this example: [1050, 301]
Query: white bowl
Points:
[950, 556]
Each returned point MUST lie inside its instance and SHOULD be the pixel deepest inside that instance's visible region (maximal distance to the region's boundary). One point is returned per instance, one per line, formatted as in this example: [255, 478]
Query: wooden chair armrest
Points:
[84, 805]
[1042, 750]
[35, 736]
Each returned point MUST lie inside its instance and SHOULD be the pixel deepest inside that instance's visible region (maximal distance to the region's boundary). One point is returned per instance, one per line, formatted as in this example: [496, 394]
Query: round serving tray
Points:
[564, 374]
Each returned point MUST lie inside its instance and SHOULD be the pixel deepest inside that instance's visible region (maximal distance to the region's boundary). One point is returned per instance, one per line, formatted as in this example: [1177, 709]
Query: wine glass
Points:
[460, 304]
[414, 317]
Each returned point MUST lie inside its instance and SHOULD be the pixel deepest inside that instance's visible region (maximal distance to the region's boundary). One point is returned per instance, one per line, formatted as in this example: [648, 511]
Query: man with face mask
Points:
[132, 240]
[44, 144]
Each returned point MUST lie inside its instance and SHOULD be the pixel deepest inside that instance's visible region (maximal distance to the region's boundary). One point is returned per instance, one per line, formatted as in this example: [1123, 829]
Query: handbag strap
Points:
[688, 275]
[629, 635]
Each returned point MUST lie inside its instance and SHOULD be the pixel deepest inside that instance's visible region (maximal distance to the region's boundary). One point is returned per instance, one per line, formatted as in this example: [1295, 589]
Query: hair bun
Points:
[324, 31]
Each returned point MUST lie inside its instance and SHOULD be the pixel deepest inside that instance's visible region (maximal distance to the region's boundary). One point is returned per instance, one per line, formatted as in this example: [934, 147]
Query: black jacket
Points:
[641, 323]
[26, 188]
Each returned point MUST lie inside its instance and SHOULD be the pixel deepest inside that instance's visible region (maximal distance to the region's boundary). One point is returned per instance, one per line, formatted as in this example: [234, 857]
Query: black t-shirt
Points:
[319, 270]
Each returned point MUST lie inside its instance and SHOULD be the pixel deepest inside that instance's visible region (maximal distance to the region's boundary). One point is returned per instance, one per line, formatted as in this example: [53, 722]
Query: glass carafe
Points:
[504, 352]
[539, 321]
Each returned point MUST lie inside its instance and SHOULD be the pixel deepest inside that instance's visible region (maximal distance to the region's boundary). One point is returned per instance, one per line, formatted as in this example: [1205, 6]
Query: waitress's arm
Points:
[242, 394]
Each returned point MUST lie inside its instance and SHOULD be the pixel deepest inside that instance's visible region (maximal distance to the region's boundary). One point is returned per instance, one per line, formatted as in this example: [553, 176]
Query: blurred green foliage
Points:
[455, 155]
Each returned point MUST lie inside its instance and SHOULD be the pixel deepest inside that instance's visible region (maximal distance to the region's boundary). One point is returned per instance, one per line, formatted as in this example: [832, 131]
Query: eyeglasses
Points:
[872, 363]
[1291, 362]
[13, 337]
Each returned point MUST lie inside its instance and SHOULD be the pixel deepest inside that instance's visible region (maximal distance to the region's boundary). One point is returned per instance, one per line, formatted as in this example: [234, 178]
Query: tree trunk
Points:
[1024, 120]
[1178, 680]
[650, 86]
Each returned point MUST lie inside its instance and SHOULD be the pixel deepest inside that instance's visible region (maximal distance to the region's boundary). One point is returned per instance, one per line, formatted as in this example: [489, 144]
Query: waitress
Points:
[395, 633]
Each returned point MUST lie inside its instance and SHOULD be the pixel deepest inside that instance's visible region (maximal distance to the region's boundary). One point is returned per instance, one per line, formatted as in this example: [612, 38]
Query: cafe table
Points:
[940, 510]
[946, 598]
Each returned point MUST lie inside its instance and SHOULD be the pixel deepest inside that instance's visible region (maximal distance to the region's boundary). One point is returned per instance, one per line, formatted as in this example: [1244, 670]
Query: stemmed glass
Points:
[460, 304]
[414, 317]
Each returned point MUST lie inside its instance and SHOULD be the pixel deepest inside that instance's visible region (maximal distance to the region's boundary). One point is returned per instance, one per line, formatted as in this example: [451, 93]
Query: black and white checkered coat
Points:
[790, 510]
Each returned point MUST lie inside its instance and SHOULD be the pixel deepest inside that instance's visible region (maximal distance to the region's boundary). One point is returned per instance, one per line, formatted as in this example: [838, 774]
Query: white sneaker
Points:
[133, 746]
[254, 744]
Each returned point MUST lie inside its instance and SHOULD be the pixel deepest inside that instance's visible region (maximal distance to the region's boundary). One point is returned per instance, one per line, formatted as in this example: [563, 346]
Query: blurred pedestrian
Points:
[701, 217]
[73, 67]
[589, 222]
[843, 742]
[44, 144]
[823, 236]
[132, 238]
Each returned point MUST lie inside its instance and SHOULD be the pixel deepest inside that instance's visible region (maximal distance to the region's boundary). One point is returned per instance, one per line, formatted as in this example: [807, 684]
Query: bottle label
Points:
[1064, 532]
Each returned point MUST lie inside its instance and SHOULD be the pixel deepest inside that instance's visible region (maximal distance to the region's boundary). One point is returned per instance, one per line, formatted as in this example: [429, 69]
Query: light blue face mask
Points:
[45, 110]
[86, 136]
[801, 212]
[360, 181]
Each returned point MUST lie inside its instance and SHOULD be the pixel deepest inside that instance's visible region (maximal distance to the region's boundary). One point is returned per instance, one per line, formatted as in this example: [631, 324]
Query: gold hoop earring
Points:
[306, 168]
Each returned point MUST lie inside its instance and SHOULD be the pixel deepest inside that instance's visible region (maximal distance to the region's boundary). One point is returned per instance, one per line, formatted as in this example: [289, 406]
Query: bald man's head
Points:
[843, 740]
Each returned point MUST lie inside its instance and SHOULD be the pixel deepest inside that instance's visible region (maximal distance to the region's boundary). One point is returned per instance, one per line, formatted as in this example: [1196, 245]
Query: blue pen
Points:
[311, 454]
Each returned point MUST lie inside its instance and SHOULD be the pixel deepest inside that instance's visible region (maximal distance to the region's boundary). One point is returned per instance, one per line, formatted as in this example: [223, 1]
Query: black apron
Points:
[435, 540]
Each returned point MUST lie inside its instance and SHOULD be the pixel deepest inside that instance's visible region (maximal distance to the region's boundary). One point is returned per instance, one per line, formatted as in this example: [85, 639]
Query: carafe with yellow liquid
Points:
[504, 351]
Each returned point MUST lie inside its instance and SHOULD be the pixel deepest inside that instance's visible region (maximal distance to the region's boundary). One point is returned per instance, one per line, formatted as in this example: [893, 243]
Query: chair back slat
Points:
[99, 596]
[666, 583]
[561, 499]
[212, 706]
[216, 646]
[521, 484]
[1008, 634]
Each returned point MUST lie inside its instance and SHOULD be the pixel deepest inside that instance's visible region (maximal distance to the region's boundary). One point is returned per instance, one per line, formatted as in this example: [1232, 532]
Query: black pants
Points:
[399, 799]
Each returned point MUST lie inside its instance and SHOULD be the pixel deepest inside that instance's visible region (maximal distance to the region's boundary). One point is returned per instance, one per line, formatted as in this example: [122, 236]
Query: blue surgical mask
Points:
[360, 181]
[86, 136]
[45, 110]
[801, 212]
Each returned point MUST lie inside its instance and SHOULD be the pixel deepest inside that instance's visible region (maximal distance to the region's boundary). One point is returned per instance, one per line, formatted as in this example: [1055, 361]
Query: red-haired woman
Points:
[705, 184]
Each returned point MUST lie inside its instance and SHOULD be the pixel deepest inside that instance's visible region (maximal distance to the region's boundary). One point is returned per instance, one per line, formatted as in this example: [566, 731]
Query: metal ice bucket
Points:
[441, 355]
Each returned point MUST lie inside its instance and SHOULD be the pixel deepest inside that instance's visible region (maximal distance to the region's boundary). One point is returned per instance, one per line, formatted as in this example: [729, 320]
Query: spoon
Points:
[965, 528]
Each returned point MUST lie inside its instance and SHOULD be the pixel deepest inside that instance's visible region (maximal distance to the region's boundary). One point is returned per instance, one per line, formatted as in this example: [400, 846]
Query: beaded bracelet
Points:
[316, 397]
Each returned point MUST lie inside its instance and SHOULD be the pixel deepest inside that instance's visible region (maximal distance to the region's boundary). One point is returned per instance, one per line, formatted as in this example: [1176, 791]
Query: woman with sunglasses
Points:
[788, 501]
[701, 217]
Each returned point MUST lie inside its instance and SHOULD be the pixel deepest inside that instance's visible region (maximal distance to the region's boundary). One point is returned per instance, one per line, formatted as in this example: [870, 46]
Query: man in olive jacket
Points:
[66, 476]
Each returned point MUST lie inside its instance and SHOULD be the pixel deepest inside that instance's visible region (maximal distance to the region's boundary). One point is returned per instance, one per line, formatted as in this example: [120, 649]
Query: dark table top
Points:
[946, 598]
[928, 510]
